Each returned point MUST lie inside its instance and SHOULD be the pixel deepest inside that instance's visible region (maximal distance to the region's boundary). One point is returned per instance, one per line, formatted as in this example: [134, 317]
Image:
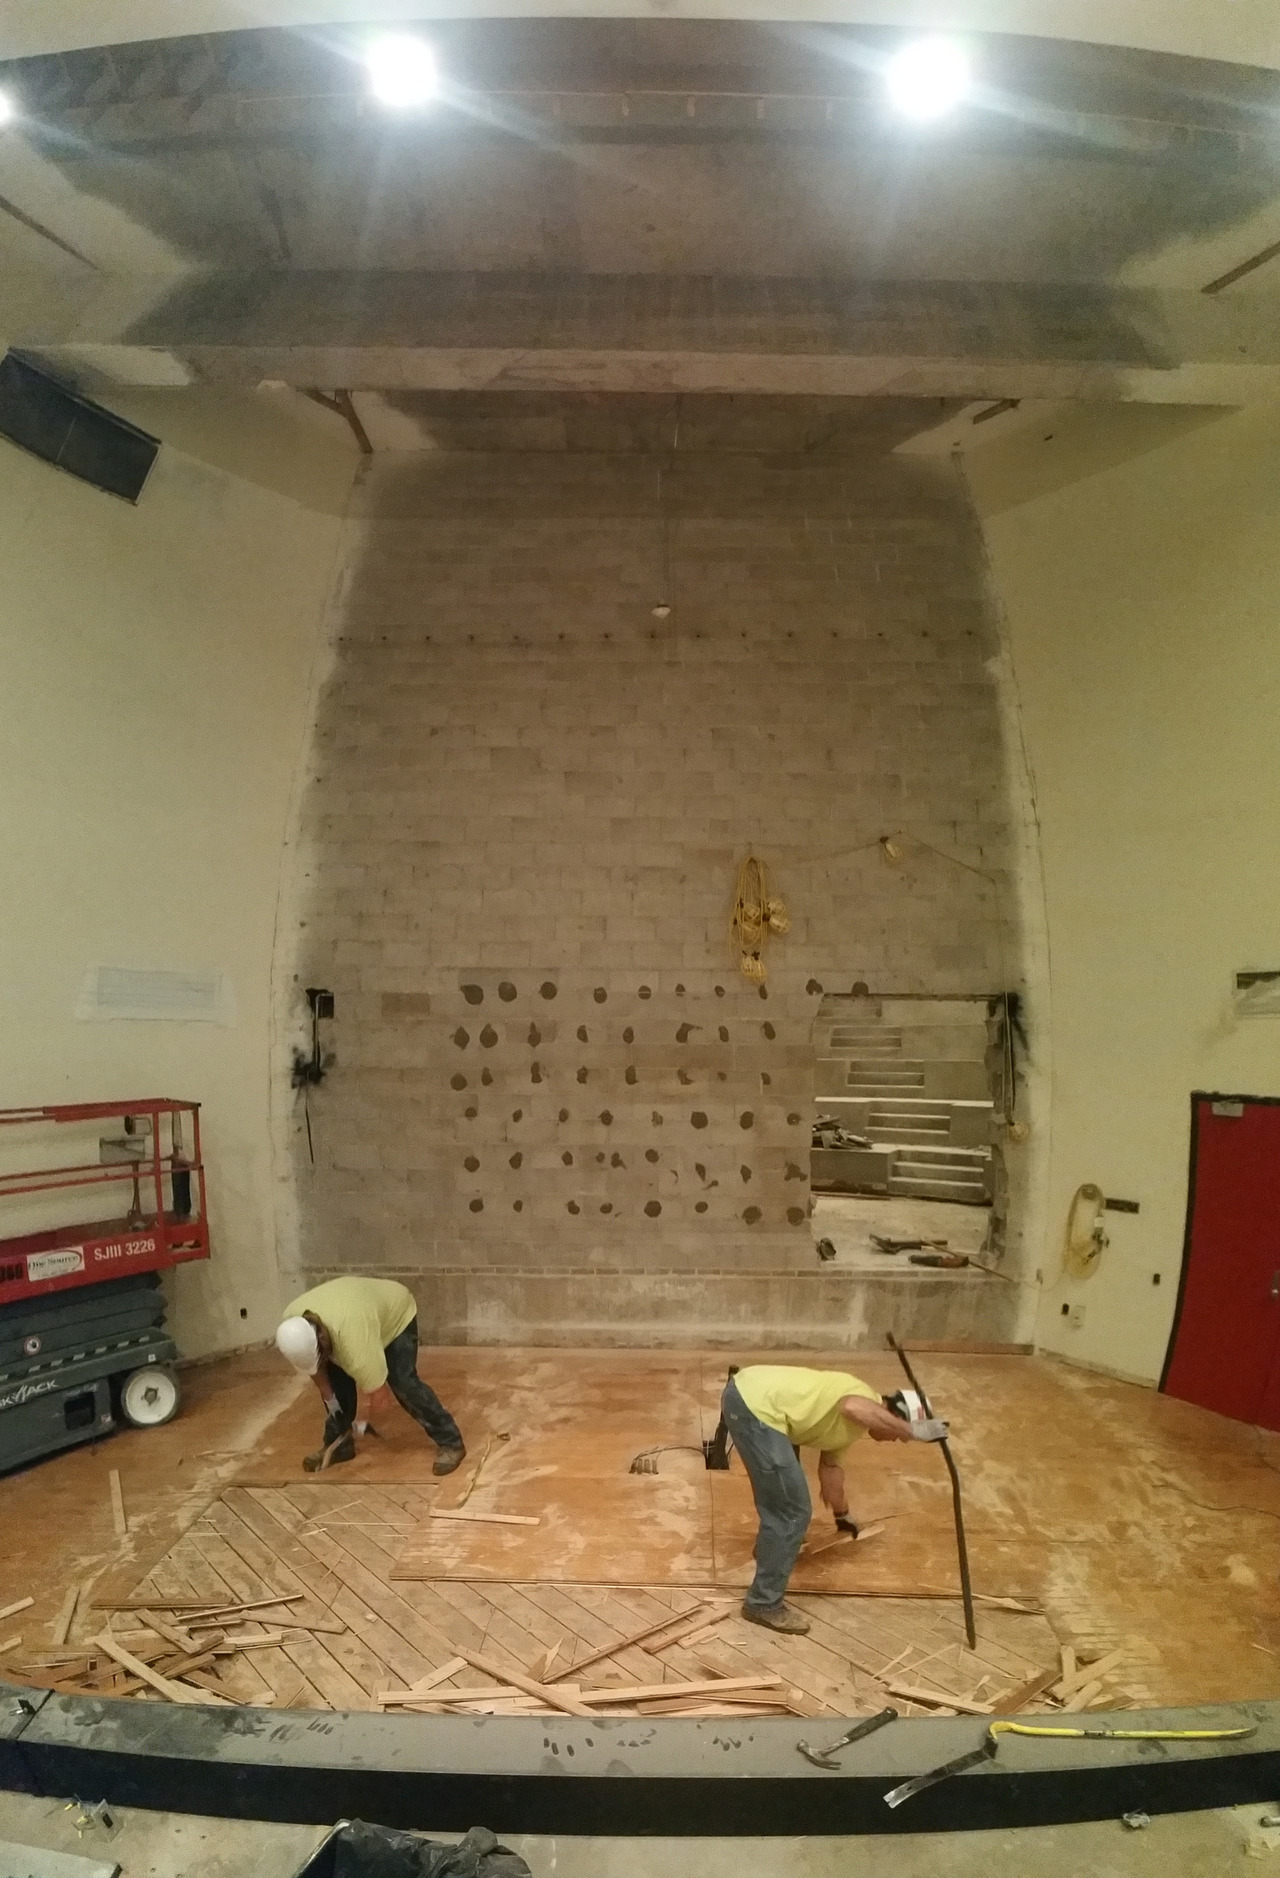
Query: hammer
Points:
[821, 1757]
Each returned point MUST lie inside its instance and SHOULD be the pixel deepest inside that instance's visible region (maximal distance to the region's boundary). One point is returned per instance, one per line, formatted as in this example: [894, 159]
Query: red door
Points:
[1225, 1349]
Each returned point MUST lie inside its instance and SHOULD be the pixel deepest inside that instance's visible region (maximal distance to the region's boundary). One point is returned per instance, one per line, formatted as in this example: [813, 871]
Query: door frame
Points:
[1197, 1096]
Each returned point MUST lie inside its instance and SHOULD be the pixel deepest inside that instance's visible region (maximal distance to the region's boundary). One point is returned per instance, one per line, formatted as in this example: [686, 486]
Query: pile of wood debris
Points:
[169, 1652]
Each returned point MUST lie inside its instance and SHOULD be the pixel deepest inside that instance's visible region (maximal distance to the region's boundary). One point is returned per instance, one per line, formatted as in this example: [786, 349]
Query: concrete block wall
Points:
[558, 1109]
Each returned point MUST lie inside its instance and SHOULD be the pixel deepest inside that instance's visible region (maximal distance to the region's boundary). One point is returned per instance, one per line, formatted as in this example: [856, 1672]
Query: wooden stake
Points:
[117, 1505]
[1082, 1698]
[1013, 1701]
[544, 1692]
[11, 1610]
[437, 1676]
[937, 1698]
[172, 1691]
[672, 1691]
[488, 1519]
[61, 1625]
[696, 1619]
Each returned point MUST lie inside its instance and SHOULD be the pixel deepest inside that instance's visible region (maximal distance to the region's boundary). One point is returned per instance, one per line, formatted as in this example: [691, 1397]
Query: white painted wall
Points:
[155, 666]
[1143, 608]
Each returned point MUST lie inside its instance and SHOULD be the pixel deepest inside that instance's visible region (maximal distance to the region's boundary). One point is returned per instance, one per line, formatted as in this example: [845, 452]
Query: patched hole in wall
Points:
[486, 1078]
[796, 1216]
[507, 991]
[628, 1035]
[573, 1207]
[599, 994]
[747, 1119]
[645, 991]
[582, 1034]
[698, 1119]
[751, 1214]
[488, 1037]
[651, 1154]
[517, 1160]
[563, 1116]
[474, 994]
[457, 1082]
[656, 1119]
[471, 1163]
[461, 1037]
[699, 1206]
[547, 989]
[745, 1172]
[477, 1206]
[652, 1208]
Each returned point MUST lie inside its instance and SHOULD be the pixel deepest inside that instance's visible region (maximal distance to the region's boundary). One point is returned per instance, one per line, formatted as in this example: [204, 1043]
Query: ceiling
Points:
[1243, 31]
[610, 204]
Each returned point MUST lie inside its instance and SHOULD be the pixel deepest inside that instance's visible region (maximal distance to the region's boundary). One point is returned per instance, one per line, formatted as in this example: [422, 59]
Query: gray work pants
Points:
[406, 1386]
[781, 1494]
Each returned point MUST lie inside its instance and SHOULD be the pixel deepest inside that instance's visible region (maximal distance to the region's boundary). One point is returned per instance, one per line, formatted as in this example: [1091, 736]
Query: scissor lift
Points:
[83, 1342]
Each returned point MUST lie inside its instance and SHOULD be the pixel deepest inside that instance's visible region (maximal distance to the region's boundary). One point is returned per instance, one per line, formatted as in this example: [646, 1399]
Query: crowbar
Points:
[966, 1588]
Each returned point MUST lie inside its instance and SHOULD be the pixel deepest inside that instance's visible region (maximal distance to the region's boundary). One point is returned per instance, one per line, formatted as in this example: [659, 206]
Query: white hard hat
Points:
[296, 1341]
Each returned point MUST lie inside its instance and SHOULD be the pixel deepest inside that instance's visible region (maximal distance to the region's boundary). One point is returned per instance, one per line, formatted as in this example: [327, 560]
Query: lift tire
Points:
[149, 1396]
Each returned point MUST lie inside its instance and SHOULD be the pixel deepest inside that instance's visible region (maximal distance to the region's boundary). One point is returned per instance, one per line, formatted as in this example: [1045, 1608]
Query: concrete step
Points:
[960, 1191]
[893, 1134]
[975, 1158]
[886, 1076]
[870, 1090]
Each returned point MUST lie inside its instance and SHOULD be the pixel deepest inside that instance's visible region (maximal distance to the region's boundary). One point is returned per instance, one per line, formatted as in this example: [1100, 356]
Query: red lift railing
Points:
[165, 1222]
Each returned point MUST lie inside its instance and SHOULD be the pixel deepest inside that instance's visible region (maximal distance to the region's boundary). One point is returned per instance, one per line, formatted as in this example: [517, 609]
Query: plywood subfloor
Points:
[1136, 1521]
[365, 1632]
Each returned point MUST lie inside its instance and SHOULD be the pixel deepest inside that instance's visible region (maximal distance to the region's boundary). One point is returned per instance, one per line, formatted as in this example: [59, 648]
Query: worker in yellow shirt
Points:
[357, 1339]
[771, 1414]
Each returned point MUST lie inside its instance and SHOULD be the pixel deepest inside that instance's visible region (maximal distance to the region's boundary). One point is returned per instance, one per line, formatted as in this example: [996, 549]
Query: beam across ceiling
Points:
[399, 330]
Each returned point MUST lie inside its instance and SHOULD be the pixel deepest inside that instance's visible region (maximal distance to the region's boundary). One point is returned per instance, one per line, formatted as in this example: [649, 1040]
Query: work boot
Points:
[345, 1451]
[448, 1459]
[779, 1617]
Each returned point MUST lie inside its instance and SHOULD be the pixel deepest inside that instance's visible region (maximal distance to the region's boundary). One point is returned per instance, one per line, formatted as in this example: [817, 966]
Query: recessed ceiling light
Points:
[6, 107]
[402, 70]
[928, 77]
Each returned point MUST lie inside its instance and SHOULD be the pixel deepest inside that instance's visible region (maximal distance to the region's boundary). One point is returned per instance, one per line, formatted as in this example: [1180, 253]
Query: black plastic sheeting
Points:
[358, 1850]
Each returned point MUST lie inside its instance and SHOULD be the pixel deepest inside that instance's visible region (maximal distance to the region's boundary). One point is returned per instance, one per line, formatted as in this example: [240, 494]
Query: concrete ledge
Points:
[649, 1778]
[821, 1307]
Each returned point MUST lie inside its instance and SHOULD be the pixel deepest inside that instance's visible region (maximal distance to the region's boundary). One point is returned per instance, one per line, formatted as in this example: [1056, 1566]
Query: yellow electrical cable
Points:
[1124, 1734]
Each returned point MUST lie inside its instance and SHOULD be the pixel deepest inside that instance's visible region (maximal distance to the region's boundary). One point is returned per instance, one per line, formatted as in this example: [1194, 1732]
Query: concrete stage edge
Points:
[667, 1777]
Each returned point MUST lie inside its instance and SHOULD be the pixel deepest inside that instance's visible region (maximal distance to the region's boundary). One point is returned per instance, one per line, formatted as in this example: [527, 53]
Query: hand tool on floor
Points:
[940, 1261]
[356, 1428]
[966, 1588]
[821, 1757]
[991, 1741]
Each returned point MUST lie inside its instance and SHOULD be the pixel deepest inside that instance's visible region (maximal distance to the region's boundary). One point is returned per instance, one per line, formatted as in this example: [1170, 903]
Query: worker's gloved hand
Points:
[846, 1523]
[362, 1428]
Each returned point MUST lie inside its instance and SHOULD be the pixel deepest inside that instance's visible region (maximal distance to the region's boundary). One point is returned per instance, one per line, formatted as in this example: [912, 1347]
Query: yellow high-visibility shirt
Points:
[804, 1404]
[361, 1315]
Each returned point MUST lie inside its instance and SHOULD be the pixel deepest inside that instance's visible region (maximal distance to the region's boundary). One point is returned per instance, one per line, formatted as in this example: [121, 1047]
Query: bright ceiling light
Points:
[402, 70]
[6, 107]
[928, 77]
